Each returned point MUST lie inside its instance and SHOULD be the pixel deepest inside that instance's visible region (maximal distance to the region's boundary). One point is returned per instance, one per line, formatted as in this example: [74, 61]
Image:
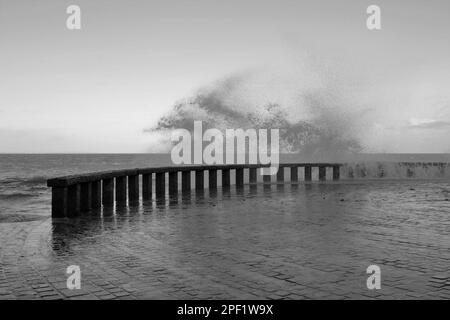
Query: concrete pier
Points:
[73, 195]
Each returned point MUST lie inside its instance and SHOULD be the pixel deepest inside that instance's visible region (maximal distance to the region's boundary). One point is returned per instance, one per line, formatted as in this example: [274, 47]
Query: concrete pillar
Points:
[121, 190]
[199, 179]
[108, 192]
[239, 177]
[147, 186]
[350, 172]
[410, 171]
[267, 181]
[322, 173]
[308, 173]
[267, 178]
[225, 177]
[280, 174]
[360, 170]
[73, 200]
[173, 182]
[381, 171]
[294, 174]
[59, 202]
[160, 184]
[212, 177]
[186, 181]
[85, 197]
[96, 194]
[442, 170]
[252, 175]
[133, 188]
[336, 172]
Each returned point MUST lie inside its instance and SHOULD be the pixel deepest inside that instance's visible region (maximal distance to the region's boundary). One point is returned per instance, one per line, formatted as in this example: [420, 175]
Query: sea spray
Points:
[317, 119]
[395, 170]
[233, 146]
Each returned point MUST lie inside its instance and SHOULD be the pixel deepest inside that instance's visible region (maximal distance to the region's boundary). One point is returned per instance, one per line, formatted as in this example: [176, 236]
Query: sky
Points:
[99, 88]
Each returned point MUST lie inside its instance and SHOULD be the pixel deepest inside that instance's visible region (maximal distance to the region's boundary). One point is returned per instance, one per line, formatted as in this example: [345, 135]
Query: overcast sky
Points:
[98, 88]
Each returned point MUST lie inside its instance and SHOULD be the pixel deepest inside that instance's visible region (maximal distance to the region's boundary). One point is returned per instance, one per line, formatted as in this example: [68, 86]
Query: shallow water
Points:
[263, 241]
[403, 204]
[305, 240]
[23, 188]
[24, 194]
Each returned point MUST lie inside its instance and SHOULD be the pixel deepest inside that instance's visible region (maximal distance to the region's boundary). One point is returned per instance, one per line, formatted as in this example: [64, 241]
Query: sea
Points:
[24, 194]
[229, 243]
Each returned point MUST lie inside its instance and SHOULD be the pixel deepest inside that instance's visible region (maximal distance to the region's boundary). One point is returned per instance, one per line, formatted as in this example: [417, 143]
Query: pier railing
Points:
[80, 193]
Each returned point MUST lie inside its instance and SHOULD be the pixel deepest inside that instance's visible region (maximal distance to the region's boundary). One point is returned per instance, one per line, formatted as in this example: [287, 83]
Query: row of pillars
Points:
[69, 201]
[362, 171]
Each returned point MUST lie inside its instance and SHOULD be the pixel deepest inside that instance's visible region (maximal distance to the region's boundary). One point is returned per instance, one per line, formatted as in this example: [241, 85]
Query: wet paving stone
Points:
[288, 243]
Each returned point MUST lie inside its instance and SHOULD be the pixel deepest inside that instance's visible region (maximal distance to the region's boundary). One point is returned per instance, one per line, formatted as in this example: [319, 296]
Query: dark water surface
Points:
[23, 188]
[294, 241]
[24, 194]
[262, 241]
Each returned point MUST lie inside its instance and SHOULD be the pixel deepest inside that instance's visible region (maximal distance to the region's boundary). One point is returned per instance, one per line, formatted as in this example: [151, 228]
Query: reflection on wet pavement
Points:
[262, 241]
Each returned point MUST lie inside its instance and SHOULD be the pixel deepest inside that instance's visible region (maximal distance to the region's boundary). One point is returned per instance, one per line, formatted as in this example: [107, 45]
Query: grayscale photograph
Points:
[238, 152]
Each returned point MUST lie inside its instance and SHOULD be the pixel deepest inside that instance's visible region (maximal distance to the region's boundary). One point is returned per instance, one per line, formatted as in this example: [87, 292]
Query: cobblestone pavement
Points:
[283, 242]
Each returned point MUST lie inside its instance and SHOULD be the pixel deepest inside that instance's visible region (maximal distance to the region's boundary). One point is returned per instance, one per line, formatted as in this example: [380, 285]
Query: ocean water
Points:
[322, 234]
[23, 177]
[24, 194]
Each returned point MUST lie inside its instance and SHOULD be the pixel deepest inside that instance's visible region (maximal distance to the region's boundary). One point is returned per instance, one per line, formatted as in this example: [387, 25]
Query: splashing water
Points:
[396, 170]
[315, 115]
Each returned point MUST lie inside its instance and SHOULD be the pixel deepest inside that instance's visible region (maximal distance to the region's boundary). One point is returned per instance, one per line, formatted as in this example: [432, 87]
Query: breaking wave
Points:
[316, 115]
[396, 170]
